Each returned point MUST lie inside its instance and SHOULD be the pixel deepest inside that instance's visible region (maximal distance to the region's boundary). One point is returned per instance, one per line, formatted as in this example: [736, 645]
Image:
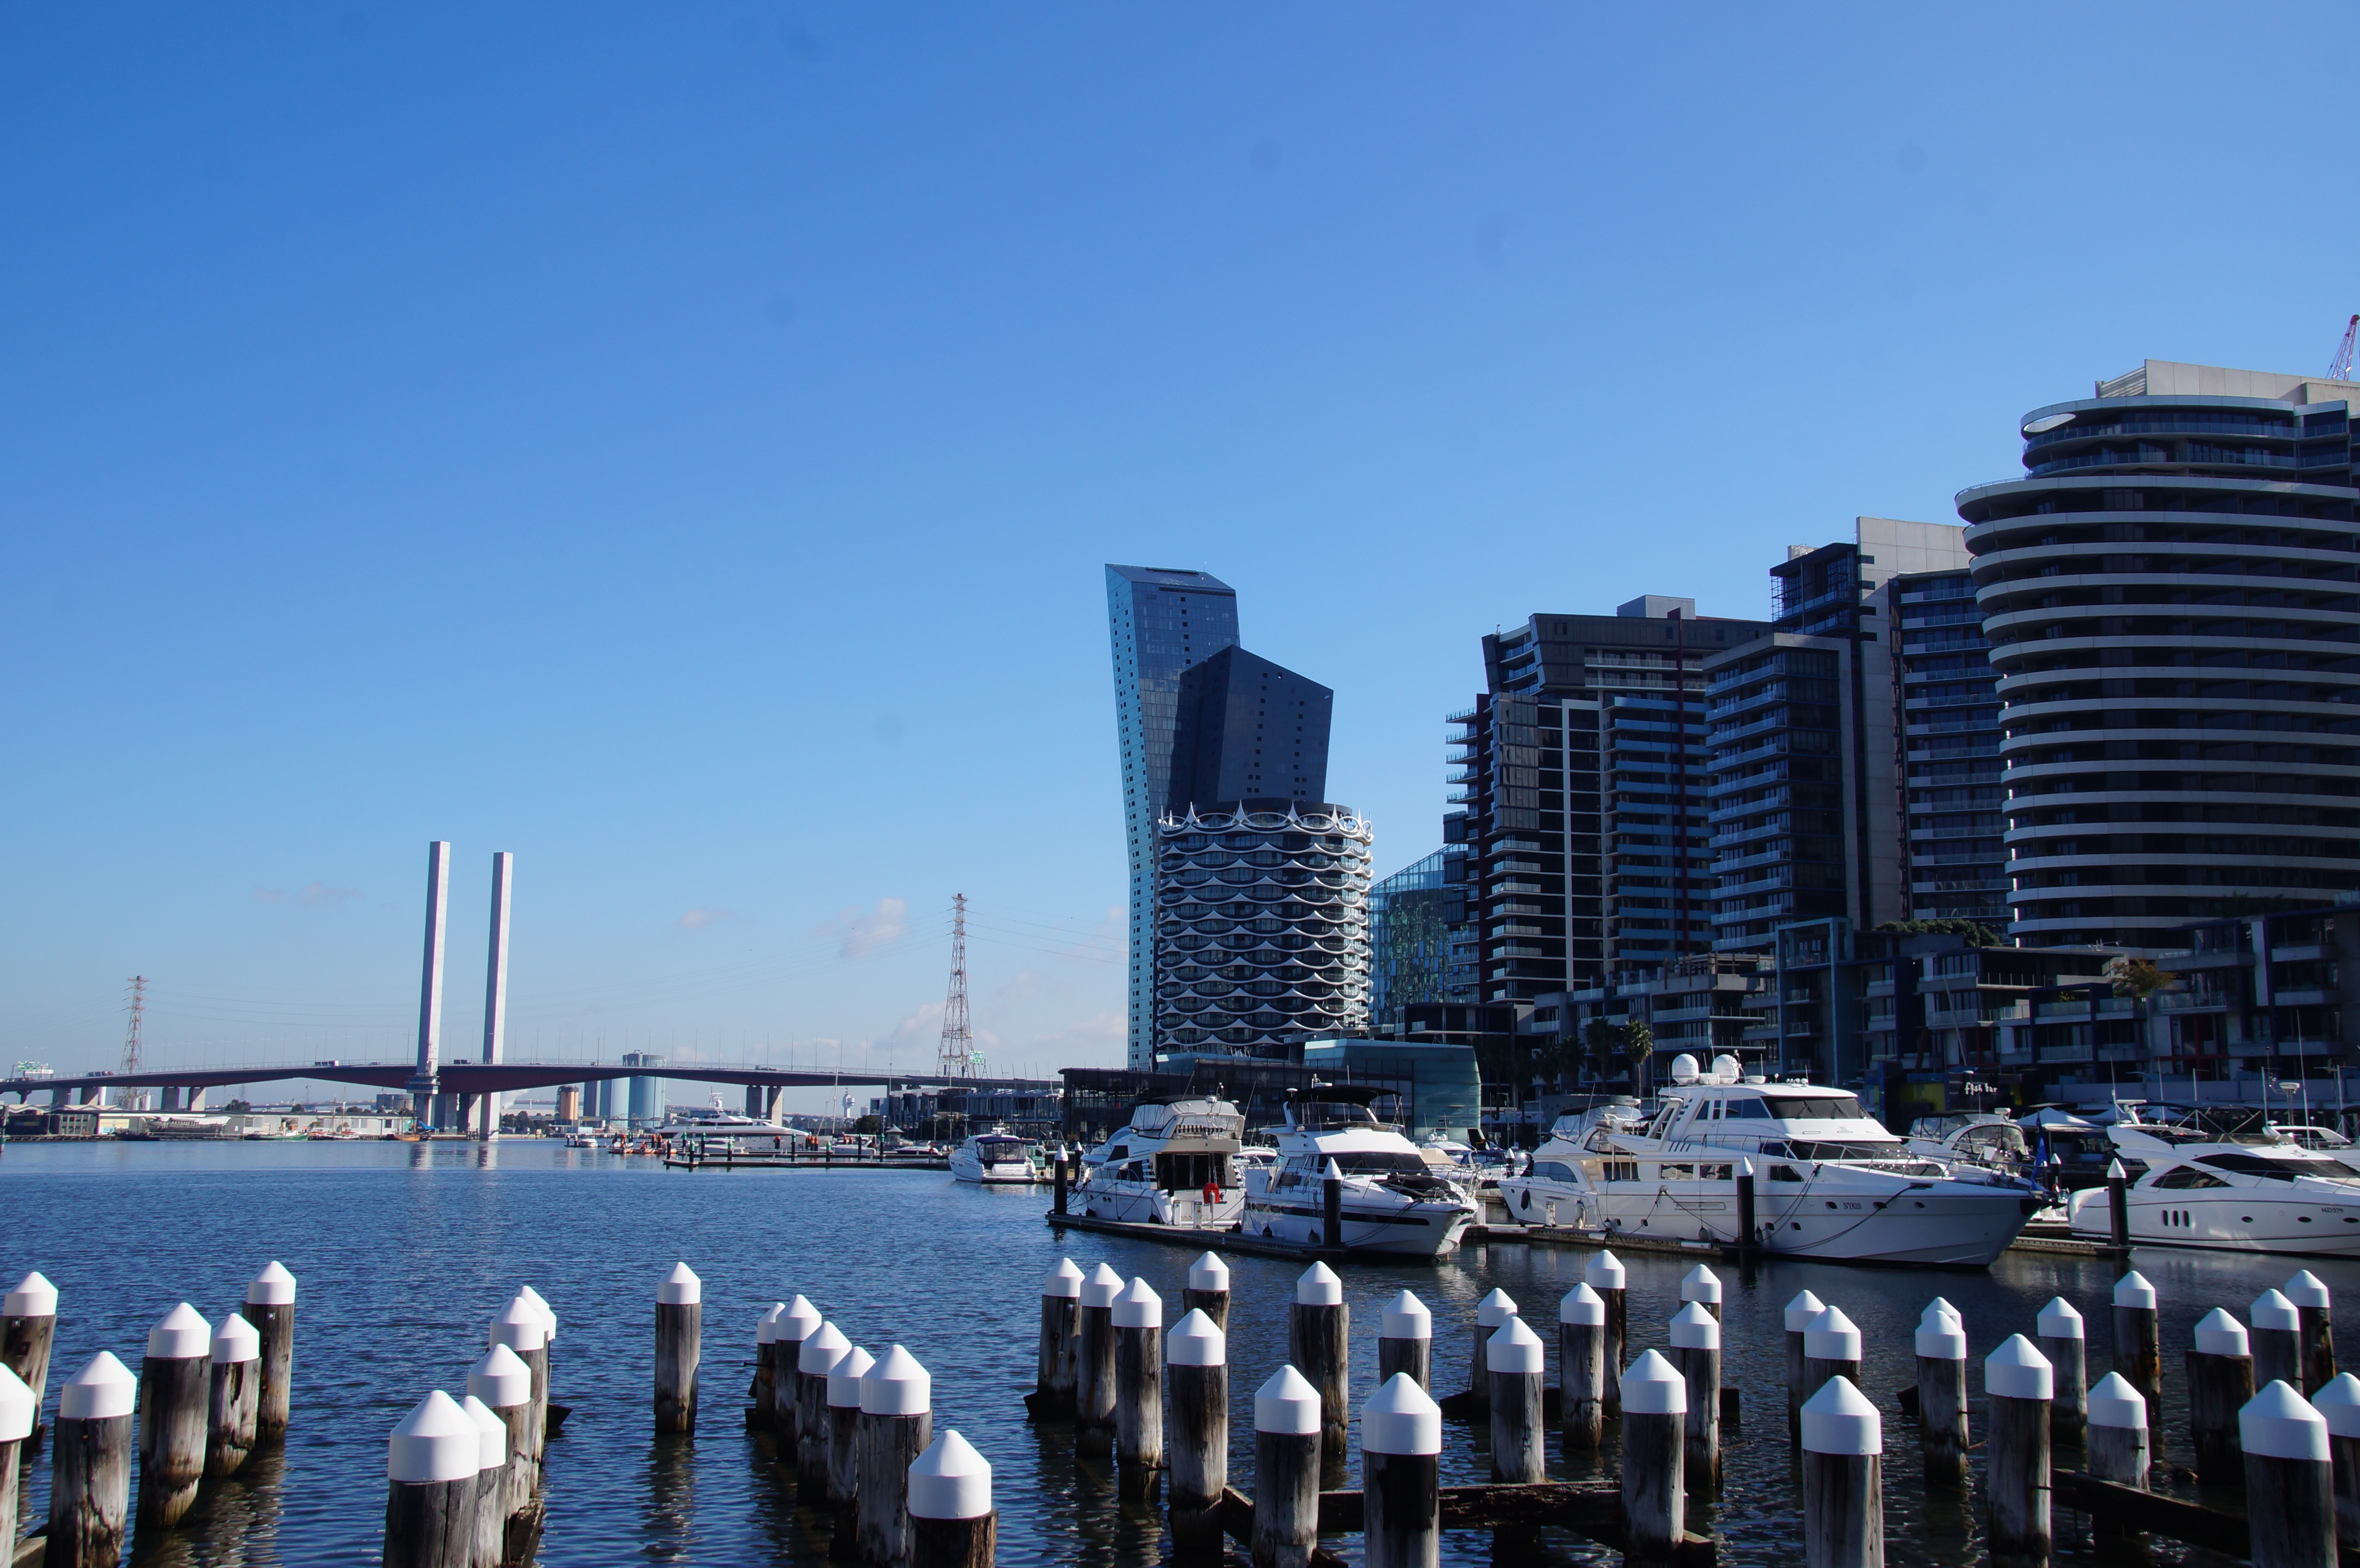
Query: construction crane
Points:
[2340, 367]
[956, 1057]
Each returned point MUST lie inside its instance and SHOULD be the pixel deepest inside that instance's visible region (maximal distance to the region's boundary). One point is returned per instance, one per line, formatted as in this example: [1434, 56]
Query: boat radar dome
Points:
[1683, 1068]
[1726, 1070]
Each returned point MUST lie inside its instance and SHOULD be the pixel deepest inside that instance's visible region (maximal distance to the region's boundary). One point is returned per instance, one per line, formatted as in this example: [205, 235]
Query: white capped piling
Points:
[270, 1308]
[1799, 1314]
[1515, 1366]
[1604, 1274]
[1331, 1208]
[1581, 1368]
[504, 1383]
[29, 1325]
[17, 1408]
[1491, 1312]
[1843, 1478]
[1320, 1345]
[234, 1399]
[1138, 1388]
[90, 1465]
[523, 1333]
[680, 1346]
[2338, 1404]
[1831, 1349]
[764, 1395]
[1405, 1340]
[175, 1383]
[822, 1347]
[2274, 1333]
[2060, 1330]
[787, 1336]
[2220, 1383]
[2308, 1293]
[1052, 1376]
[2139, 1340]
[1207, 1290]
[1942, 1432]
[896, 1426]
[952, 1524]
[2016, 1377]
[2289, 1480]
[1654, 1416]
[1401, 1475]
[431, 1461]
[1094, 1392]
[1196, 1357]
[491, 1465]
[844, 1447]
[545, 1368]
[2119, 1449]
[1287, 1420]
[1702, 1286]
[1696, 1351]
[2119, 1206]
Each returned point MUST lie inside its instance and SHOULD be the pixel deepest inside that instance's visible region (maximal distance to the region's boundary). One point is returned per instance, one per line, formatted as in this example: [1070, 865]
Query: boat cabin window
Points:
[1117, 1151]
[1752, 1106]
[2180, 1176]
[1622, 1170]
[1552, 1171]
[1332, 1114]
[1378, 1162]
[1856, 1149]
[1816, 1108]
[1784, 1173]
[2276, 1170]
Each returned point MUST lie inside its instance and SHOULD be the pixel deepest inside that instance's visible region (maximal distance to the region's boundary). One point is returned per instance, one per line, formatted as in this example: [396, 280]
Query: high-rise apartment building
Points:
[1410, 916]
[2171, 595]
[1955, 862]
[1161, 621]
[1246, 728]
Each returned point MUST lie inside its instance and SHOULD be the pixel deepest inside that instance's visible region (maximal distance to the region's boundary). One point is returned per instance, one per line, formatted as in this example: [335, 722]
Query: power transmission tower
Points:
[131, 1040]
[958, 1041]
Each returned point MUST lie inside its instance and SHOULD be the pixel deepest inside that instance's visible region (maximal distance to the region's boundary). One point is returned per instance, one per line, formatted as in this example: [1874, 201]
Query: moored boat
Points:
[997, 1158]
[2253, 1191]
[1173, 1162]
[1392, 1199]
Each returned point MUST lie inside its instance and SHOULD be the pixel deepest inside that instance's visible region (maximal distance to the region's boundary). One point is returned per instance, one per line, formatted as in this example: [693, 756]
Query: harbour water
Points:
[404, 1252]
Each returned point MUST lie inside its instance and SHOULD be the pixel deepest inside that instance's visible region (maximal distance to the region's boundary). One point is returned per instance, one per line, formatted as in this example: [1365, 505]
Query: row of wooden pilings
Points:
[206, 1396]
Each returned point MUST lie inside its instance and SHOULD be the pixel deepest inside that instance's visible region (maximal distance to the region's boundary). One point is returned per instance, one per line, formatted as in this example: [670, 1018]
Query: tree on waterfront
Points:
[1603, 1040]
[1638, 1045]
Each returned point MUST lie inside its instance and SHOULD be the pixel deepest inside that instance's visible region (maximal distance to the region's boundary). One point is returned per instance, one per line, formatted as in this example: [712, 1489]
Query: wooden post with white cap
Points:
[2311, 1298]
[1207, 1290]
[521, 1332]
[2220, 1383]
[2060, 1331]
[491, 1465]
[1702, 1286]
[1696, 1351]
[174, 1384]
[1287, 1420]
[2338, 1405]
[2116, 1436]
[504, 1383]
[764, 1394]
[2274, 1333]
[1515, 1366]
[896, 1426]
[787, 1336]
[1405, 1340]
[821, 1349]
[1831, 1349]
[1843, 1478]
[1331, 1208]
[28, 1326]
[90, 1465]
[680, 1346]
[1490, 1312]
[1942, 1432]
[1094, 1392]
[844, 1474]
[270, 1308]
[1053, 1375]
[952, 1524]
[1320, 1345]
[1654, 1416]
[2289, 1480]
[2016, 1377]
[2139, 1341]
[431, 1461]
[1138, 1390]
[234, 1399]
[545, 1367]
[1798, 1315]
[1401, 1475]
[1196, 1357]
[2119, 1206]
[1581, 1368]
[17, 1411]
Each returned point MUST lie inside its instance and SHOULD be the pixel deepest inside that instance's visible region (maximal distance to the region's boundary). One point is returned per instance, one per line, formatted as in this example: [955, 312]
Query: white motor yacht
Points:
[1974, 1138]
[997, 1158]
[1830, 1182]
[1394, 1200]
[1175, 1162]
[2257, 1192]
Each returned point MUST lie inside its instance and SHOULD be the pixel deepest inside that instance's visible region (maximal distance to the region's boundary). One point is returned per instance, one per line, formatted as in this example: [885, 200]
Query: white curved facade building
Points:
[1262, 925]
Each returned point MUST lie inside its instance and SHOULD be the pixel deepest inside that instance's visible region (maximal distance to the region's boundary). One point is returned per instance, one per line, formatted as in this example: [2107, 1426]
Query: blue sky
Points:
[679, 444]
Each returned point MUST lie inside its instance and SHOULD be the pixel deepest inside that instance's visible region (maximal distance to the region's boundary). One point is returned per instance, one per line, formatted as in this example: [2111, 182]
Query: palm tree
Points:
[1638, 1044]
[1603, 1040]
[2139, 979]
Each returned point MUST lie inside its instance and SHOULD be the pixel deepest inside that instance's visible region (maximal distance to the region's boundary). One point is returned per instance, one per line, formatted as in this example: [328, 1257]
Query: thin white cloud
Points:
[313, 893]
[865, 931]
[698, 918]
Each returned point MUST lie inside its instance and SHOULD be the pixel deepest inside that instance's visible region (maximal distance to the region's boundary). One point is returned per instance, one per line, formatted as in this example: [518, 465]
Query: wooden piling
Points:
[1094, 1392]
[1604, 1274]
[1831, 1349]
[503, 1383]
[2058, 1329]
[2220, 1383]
[844, 1475]
[1702, 1286]
[1654, 1416]
[234, 1399]
[2117, 1438]
[1942, 1432]
[2139, 1341]
[175, 1382]
[270, 1308]
[1207, 1290]
[680, 1335]
[1401, 1476]
[1197, 1358]
[2017, 1377]
[2289, 1480]
[523, 1333]
[1515, 1363]
[17, 1408]
[821, 1350]
[545, 1366]
[2338, 1404]
[29, 1324]
[1319, 1346]
[432, 1462]
[897, 1427]
[1696, 1351]
[491, 1465]
[1059, 1197]
[2309, 1296]
[1581, 1368]
[1331, 1208]
[787, 1338]
[1052, 1376]
[1287, 1425]
[1491, 1312]
[2118, 1207]
[1843, 1478]
[1798, 1315]
[2274, 1331]
[1139, 1390]
[1405, 1340]
[1749, 1229]
[764, 1395]
[951, 1521]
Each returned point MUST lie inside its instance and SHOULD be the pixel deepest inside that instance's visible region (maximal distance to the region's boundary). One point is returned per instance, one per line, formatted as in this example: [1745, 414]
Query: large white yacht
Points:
[1394, 1200]
[1830, 1182]
[997, 1158]
[1975, 1137]
[2256, 1192]
[1174, 1163]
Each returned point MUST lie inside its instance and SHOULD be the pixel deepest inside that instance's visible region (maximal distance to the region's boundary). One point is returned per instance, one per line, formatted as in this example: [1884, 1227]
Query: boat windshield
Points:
[1378, 1162]
[2278, 1169]
[1816, 1108]
[1857, 1148]
[1332, 1114]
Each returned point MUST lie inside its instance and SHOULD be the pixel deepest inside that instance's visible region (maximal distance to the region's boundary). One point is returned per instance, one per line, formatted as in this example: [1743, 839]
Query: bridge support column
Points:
[196, 1098]
[171, 1098]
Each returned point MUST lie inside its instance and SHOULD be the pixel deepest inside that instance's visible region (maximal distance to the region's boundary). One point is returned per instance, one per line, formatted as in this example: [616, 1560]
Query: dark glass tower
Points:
[1246, 727]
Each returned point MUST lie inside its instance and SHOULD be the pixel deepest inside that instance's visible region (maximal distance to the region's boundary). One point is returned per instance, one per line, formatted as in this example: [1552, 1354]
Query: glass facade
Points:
[1778, 809]
[1954, 861]
[1409, 927]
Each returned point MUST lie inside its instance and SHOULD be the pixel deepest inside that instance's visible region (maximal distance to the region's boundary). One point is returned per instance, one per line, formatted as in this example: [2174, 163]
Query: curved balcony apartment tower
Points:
[2170, 599]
